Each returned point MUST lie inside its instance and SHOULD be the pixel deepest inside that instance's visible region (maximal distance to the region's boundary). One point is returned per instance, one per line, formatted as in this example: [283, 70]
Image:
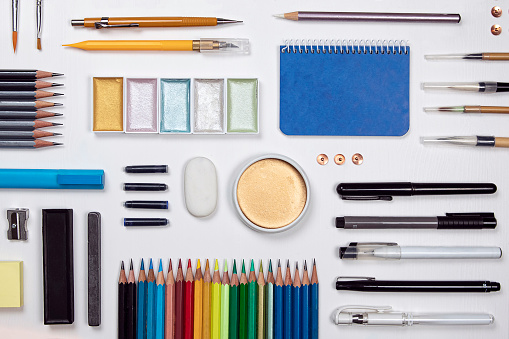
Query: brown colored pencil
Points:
[169, 327]
[25, 104]
[27, 95]
[189, 302]
[131, 304]
[8, 85]
[207, 282]
[25, 125]
[25, 74]
[122, 281]
[179, 303]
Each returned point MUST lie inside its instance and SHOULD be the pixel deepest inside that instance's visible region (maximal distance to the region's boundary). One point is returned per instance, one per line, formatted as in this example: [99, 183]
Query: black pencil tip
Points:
[314, 262]
[56, 134]
[56, 124]
[296, 265]
[57, 144]
[122, 266]
[278, 263]
[131, 267]
[57, 74]
[56, 85]
[57, 94]
[288, 263]
[305, 265]
[57, 104]
[57, 114]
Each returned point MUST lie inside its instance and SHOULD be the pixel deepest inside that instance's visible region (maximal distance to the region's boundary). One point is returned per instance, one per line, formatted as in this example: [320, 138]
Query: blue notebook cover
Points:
[344, 94]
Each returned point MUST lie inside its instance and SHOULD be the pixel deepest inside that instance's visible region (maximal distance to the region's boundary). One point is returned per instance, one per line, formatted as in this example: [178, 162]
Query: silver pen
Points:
[39, 23]
[385, 316]
[15, 23]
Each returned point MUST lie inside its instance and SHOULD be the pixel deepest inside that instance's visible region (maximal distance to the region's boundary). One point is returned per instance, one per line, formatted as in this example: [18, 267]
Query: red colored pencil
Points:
[179, 303]
[189, 303]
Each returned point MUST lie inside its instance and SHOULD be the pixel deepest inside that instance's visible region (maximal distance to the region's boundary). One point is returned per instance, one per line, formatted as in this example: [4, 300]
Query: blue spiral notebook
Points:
[344, 90]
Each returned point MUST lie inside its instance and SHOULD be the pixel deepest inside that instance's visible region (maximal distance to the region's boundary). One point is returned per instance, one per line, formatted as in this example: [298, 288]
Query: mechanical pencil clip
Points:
[476, 140]
[481, 87]
[449, 221]
[384, 315]
[387, 251]
[469, 109]
[386, 190]
[471, 56]
[370, 284]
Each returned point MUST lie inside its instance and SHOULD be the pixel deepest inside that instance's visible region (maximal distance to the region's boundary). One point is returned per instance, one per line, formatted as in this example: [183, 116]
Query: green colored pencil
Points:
[252, 303]
[225, 302]
[243, 303]
[233, 333]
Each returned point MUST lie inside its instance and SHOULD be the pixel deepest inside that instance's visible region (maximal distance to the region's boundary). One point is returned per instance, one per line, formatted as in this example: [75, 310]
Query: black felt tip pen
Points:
[140, 186]
[146, 222]
[483, 87]
[146, 169]
[386, 190]
[449, 221]
[367, 284]
[148, 204]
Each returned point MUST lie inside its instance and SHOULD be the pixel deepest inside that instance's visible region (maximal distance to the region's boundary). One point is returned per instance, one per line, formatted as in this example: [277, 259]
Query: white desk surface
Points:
[223, 235]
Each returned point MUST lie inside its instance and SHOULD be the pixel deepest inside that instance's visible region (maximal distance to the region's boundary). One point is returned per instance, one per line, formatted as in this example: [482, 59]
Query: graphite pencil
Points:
[28, 115]
[26, 85]
[169, 326]
[25, 95]
[189, 302]
[24, 105]
[27, 143]
[131, 304]
[179, 303]
[25, 74]
[122, 281]
[13, 125]
[25, 135]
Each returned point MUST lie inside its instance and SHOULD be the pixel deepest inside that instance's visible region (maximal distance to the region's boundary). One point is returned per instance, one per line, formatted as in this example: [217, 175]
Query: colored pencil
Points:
[215, 326]
[131, 304]
[314, 303]
[287, 304]
[305, 317]
[233, 332]
[252, 303]
[261, 303]
[278, 303]
[160, 302]
[269, 303]
[296, 303]
[243, 303]
[169, 326]
[25, 85]
[151, 302]
[179, 303]
[27, 143]
[25, 105]
[225, 303]
[27, 115]
[8, 95]
[122, 281]
[26, 135]
[207, 285]
[28, 125]
[25, 74]
[198, 302]
[141, 322]
[189, 302]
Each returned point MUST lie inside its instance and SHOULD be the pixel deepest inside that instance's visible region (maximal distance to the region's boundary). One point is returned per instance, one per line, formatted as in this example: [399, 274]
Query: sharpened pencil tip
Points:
[56, 124]
[131, 266]
[142, 266]
[252, 265]
[57, 144]
[305, 265]
[180, 263]
[57, 104]
[270, 265]
[234, 266]
[243, 267]
[216, 266]
[57, 114]
[261, 266]
[170, 267]
[296, 265]
[225, 265]
[278, 263]
[56, 85]
[150, 266]
[207, 267]
[122, 265]
[160, 265]
[198, 264]
[188, 263]
[281, 16]
[57, 94]
[288, 263]
[57, 74]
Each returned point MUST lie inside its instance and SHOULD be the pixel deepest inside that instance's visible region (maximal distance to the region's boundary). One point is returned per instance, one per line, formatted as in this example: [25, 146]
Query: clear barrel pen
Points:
[384, 315]
[468, 109]
[470, 56]
[475, 140]
[482, 87]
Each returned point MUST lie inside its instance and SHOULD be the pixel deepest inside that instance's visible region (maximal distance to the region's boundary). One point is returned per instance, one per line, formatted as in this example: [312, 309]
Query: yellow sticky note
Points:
[11, 283]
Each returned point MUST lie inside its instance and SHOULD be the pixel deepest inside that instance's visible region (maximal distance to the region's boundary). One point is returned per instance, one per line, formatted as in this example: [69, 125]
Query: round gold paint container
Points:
[271, 193]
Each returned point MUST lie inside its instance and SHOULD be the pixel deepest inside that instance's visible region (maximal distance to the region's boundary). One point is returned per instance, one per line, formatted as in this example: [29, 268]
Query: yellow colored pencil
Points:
[207, 282]
[215, 326]
[198, 302]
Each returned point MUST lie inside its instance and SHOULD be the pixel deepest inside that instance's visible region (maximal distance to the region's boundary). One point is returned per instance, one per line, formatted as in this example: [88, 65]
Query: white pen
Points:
[385, 251]
[384, 315]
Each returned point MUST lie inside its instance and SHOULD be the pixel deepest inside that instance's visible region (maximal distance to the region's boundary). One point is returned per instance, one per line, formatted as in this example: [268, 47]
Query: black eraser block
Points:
[94, 269]
[57, 256]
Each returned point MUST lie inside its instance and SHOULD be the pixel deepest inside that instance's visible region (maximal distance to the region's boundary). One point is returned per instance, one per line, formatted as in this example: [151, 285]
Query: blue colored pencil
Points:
[314, 303]
[151, 303]
[296, 304]
[160, 299]
[304, 319]
[287, 304]
[278, 304]
[141, 328]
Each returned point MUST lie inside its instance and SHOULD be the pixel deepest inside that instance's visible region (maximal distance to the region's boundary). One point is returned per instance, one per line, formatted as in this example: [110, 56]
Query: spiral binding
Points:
[344, 46]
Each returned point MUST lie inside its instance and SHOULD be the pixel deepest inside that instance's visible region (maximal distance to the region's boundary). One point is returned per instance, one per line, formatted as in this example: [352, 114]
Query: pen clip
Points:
[346, 278]
[367, 197]
[99, 25]
[373, 244]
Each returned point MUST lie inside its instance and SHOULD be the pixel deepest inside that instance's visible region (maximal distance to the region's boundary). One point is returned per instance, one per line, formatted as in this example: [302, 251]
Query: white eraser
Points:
[200, 187]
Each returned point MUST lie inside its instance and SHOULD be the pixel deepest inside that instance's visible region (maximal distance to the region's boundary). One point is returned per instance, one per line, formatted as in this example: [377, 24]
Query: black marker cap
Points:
[340, 222]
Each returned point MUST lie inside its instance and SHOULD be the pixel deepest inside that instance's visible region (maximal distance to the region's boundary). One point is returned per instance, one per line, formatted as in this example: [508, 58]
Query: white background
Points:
[223, 235]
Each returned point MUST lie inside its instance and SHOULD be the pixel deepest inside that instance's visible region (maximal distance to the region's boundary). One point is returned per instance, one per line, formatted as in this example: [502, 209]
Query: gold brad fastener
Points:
[496, 12]
[339, 159]
[322, 159]
[357, 159]
[496, 29]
